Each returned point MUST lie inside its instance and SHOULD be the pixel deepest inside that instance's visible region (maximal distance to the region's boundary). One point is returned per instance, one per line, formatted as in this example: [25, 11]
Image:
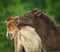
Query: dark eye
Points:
[12, 24]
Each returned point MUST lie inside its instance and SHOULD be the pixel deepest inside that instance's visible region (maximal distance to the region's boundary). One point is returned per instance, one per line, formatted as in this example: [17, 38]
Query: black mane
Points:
[44, 17]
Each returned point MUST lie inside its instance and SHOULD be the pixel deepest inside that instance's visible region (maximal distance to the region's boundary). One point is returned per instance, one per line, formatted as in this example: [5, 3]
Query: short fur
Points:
[24, 37]
[44, 26]
[29, 39]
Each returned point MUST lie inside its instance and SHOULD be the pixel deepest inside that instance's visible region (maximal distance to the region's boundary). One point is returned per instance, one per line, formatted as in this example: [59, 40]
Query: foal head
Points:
[11, 28]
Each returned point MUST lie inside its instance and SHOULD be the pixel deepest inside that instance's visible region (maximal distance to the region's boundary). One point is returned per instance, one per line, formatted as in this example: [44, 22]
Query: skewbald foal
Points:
[24, 37]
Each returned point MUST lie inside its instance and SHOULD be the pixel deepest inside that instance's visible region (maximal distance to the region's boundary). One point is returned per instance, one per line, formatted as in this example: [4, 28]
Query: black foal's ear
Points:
[37, 12]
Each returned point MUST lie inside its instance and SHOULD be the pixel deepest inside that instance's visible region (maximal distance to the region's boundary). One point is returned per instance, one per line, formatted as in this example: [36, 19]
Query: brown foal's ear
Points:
[5, 22]
[8, 20]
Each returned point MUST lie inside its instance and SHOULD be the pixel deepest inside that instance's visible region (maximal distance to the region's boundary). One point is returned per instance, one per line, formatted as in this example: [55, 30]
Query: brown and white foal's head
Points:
[11, 28]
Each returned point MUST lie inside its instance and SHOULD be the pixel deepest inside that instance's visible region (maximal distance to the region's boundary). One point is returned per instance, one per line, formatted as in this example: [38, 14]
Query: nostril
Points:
[10, 34]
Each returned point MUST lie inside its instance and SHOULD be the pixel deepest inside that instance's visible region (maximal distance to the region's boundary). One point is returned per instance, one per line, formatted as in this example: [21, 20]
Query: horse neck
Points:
[43, 29]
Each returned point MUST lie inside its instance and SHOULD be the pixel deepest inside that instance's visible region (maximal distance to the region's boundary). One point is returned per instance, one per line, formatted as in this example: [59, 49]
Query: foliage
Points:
[10, 8]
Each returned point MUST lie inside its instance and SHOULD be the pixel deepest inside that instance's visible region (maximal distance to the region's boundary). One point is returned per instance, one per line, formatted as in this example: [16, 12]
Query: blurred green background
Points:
[9, 8]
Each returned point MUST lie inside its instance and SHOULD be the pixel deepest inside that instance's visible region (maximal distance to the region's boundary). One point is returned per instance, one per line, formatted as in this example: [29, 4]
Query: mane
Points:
[43, 16]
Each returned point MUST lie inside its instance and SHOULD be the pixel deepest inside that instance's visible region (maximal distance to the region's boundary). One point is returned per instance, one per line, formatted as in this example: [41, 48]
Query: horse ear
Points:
[37, 12]
[8, 20]
[5, 22]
